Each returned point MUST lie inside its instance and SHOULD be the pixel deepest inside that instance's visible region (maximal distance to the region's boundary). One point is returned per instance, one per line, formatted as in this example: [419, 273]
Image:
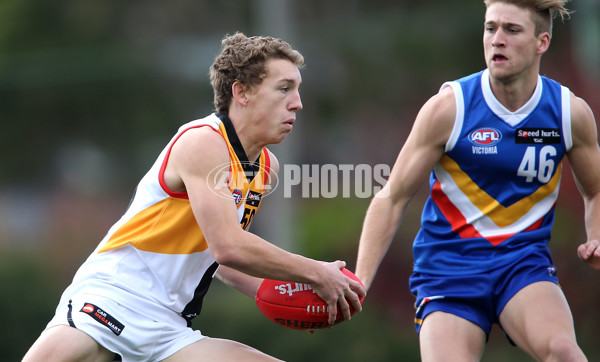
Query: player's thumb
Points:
[340, 264]
[581, 251]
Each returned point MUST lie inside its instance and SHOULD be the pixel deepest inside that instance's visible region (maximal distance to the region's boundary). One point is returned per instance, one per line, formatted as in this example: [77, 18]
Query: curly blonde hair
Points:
[244, 59]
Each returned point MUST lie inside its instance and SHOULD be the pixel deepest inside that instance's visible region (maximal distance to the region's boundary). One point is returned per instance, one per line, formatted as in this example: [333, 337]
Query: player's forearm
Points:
[255, 256]
[242, 282]
[592, 217]
[381, 223]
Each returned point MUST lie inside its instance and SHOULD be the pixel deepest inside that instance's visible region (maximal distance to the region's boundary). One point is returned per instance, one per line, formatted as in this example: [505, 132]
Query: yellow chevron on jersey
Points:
[502, 216]
[169, 219]
[162, 221]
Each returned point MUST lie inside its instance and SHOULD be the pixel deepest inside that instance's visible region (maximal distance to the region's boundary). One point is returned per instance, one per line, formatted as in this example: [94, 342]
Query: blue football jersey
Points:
[494, 190]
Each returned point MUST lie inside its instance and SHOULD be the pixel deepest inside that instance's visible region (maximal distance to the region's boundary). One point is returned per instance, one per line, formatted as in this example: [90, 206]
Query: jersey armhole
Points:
[163, 167]
[565, 94]
[267, 176]
[460, 114]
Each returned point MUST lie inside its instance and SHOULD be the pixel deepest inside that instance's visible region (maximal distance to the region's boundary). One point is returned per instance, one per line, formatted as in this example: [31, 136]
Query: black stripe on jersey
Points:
[250, 168]
[192, 309]
[70, 315]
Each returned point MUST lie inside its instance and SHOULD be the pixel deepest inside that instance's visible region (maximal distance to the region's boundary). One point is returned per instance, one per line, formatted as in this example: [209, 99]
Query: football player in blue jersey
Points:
[493, 145]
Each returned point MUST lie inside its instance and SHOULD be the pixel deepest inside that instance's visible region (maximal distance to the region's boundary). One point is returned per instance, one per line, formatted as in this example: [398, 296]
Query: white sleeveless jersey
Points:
[155, 256]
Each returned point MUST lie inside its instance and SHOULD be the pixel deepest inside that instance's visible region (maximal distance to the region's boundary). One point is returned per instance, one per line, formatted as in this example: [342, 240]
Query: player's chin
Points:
[501, 73]
[280, 137]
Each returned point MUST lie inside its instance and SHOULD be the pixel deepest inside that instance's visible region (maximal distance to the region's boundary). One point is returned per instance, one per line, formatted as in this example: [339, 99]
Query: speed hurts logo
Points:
[103, 318]
[538, 135]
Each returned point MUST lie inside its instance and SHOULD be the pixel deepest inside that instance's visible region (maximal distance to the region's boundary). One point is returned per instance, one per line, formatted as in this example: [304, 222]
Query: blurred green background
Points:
[90, 91]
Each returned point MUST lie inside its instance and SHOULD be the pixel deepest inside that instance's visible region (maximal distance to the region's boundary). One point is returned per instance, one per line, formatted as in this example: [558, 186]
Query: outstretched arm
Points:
[585, 162]
[423, 149]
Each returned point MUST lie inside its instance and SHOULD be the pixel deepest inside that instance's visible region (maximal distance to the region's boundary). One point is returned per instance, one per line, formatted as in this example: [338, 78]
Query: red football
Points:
[296, 305]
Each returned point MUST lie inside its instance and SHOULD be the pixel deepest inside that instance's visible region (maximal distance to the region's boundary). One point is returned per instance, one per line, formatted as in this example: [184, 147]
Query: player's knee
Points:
[562, 348]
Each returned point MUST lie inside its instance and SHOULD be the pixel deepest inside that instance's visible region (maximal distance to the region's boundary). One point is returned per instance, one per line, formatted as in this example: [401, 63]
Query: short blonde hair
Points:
[244, 59]
[544, 10]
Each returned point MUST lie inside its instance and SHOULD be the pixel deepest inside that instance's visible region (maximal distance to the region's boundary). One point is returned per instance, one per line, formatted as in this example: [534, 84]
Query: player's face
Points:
[510, 45]
[274, 103]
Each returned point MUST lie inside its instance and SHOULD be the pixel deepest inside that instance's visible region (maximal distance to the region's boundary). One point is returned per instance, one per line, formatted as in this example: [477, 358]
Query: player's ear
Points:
[239, 93]
[543, 42]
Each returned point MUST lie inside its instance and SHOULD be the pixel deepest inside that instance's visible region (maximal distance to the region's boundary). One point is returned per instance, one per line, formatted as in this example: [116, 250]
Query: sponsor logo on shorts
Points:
[88, 308]
[103, 318]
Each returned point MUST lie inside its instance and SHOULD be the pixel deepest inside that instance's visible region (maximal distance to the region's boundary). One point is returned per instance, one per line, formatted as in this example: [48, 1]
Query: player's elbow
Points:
[222, 254]
[227, 254]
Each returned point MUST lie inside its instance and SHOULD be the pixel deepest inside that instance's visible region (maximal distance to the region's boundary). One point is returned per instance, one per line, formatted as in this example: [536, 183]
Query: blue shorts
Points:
[479, 298]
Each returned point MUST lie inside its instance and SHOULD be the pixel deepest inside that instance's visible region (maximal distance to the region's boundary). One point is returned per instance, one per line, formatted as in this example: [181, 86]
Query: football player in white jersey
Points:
[135, 295]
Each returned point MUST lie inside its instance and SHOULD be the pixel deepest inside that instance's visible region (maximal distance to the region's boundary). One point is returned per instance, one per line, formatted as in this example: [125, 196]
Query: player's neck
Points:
[245, 133]
[249, 142]
[514, 93]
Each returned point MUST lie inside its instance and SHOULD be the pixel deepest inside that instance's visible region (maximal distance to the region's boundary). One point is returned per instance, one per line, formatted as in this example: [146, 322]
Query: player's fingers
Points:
[332, 313]
[582, 251]
[340, 264]
[344, 305]
[588, 249]
[354, 300]
[358, 288]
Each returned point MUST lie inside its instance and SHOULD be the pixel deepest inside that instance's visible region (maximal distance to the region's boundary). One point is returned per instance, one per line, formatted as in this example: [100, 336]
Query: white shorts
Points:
[132, 335]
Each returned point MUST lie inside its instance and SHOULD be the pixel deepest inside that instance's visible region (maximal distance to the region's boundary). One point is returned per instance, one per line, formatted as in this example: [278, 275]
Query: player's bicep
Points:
[200, 159]
[585, 154]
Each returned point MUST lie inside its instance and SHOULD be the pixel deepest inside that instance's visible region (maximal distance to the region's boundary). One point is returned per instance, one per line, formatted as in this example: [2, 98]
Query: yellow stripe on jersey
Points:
[153, 229]
[237, 179]
[499, 214]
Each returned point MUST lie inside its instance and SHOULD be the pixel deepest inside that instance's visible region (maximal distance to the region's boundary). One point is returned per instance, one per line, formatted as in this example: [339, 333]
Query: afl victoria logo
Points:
[485, 136]
[237, 196]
